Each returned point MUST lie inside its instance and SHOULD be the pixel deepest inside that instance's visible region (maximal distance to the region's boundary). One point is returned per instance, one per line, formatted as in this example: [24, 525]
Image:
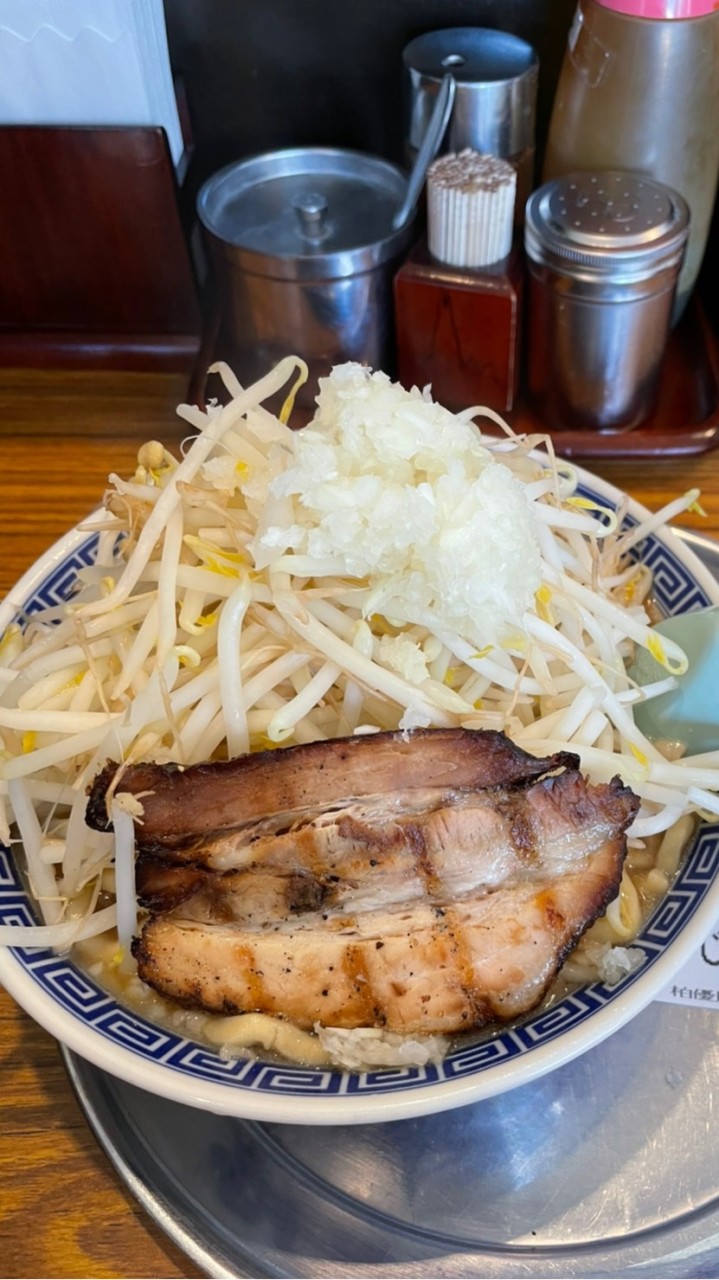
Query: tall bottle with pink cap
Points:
[639, 90]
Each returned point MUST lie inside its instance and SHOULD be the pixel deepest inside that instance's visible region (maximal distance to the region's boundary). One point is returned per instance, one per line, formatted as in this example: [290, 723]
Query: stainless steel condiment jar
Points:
[496, 76]
[604, 251]
[304, 253]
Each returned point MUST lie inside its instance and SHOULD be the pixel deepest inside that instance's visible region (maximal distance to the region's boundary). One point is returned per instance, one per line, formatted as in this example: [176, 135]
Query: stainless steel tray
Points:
[607, 1167]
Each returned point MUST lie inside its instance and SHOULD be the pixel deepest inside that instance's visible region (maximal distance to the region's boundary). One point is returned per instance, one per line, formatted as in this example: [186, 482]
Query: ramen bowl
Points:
[84, 1016]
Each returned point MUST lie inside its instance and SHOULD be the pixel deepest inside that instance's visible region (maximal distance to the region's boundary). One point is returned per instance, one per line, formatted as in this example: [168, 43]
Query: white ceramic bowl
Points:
[81, 1015]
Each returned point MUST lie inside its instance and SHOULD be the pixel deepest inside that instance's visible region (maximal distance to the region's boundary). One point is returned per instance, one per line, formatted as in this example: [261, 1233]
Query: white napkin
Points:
[94, 62]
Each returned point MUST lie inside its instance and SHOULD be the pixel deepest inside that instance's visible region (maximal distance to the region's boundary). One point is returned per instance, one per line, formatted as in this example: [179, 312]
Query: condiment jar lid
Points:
[496, 76]
[607, 225]
[306, 211]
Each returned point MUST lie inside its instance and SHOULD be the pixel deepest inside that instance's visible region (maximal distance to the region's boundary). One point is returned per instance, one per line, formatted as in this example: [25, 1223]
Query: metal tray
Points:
[607, 1167]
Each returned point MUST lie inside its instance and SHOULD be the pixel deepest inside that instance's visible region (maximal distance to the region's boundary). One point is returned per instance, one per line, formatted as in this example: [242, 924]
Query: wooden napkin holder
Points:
[96, 268]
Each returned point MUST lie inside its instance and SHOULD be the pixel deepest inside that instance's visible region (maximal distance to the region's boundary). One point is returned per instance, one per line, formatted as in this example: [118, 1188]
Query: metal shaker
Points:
[604, 251]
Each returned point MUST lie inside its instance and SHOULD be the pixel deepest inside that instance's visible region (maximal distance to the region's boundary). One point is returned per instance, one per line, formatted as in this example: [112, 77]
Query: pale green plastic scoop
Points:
[689, 713]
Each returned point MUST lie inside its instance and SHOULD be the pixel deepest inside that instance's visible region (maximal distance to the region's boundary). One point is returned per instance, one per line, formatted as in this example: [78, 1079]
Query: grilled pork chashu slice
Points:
[430, 882]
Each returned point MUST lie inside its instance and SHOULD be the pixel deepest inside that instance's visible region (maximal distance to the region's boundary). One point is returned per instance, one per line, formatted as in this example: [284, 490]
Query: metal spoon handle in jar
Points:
[430, 146]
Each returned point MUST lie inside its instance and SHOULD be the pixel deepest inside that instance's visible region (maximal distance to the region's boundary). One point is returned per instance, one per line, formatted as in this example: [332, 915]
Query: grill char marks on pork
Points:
[414, 968]
[436, 895]
[249, 896]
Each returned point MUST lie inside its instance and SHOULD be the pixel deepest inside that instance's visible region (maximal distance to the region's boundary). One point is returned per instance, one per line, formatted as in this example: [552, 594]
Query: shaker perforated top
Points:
[611, 223]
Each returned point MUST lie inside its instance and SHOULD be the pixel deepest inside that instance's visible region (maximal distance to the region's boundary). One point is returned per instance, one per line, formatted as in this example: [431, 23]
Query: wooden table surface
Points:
[63, 1210]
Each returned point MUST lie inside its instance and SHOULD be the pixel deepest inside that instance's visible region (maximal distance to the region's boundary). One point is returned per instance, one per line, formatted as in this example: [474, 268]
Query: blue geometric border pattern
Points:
[80, 996]
[15, 906]
[60, 584]
[675, 588]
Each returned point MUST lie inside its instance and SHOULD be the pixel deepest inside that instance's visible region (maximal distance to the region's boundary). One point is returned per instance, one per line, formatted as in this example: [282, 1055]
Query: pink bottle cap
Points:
[662, 8]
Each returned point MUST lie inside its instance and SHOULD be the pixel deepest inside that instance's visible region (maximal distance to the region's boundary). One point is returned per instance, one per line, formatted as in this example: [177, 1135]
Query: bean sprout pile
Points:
[271, 586]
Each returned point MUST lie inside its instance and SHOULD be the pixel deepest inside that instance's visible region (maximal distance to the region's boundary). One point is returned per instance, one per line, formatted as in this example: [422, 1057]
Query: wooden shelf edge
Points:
[163, 352]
